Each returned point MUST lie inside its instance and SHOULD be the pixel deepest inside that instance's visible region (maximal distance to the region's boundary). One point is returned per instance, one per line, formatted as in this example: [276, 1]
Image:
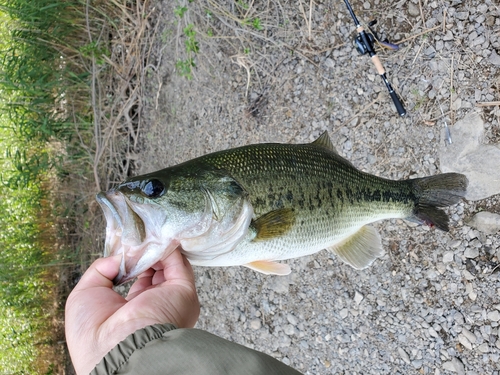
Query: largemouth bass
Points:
[258, 204]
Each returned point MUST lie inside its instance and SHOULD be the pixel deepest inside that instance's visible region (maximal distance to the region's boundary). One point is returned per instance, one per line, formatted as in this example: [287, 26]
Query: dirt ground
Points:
[285, 71]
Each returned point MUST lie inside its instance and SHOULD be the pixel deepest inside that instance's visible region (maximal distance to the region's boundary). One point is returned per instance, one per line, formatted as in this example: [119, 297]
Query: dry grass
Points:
[121, 34]
[117, 90]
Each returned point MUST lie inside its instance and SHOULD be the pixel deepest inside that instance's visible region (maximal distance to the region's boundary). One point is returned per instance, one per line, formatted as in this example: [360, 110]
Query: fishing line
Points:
[364, 44]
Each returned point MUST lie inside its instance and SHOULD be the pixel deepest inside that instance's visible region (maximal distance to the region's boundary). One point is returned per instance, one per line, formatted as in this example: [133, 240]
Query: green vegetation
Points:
[33, 94]
[184, 66]
[49, 55]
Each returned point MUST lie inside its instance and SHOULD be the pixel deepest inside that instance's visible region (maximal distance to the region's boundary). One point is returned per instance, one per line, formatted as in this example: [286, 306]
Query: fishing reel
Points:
[373, 38]
[360, 44]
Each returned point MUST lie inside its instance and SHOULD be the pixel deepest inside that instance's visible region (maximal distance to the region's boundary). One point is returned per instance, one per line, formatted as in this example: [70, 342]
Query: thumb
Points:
[100, 274]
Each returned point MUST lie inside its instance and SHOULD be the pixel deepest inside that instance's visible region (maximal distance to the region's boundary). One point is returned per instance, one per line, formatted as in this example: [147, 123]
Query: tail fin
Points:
[437, 191]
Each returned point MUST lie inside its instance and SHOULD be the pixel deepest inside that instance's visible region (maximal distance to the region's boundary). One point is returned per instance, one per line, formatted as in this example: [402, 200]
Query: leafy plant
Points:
[184, 67]
[180, 11]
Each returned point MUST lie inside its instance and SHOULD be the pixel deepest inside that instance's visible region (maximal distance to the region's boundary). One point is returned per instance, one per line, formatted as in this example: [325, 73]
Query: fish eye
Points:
[153, 189]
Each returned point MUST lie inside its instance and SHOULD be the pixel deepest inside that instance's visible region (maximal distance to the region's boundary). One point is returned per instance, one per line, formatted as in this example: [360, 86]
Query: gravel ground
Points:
[431, 305]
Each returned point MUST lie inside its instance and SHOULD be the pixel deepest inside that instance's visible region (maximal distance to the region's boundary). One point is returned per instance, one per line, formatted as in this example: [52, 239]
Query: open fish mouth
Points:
[126, 234]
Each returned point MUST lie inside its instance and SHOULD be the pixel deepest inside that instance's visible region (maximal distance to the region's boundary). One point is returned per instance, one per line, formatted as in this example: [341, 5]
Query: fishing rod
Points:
[364, 44]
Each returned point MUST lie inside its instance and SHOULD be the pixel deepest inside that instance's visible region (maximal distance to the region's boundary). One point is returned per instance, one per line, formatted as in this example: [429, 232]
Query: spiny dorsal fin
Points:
[325, 142]
[360, 249]
[269, 267]
[274, 224]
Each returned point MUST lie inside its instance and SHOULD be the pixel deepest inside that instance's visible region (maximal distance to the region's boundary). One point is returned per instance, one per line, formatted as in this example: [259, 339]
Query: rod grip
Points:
[397, 102]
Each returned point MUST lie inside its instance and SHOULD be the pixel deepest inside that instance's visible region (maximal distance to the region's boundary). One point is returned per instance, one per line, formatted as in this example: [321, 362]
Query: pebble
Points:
[413, 9]
[486, 222]
[291, 319]
[469, 335]
[471, 252]
[448, 257]
[404, 355]
[484, 348]
[289, 330]
[329, 63]
[494, 316]
[358, 297]
[494, 58]
[255, 324]
[462, 339]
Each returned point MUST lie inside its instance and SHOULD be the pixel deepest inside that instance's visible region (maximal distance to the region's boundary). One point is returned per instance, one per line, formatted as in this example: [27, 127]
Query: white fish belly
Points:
[300, 241]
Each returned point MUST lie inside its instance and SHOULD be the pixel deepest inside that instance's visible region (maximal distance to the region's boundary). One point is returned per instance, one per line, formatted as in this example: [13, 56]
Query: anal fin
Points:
[269, 267]
[360, 249]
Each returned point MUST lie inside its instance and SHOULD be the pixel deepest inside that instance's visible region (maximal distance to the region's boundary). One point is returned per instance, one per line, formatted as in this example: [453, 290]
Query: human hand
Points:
[98, 318]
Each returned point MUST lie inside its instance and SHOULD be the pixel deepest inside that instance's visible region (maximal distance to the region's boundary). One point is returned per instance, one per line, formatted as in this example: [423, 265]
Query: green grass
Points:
[44, 97]
[61, 119]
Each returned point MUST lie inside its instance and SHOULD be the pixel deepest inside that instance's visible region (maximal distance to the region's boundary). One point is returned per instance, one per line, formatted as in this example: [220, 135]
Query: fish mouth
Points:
[128, 234]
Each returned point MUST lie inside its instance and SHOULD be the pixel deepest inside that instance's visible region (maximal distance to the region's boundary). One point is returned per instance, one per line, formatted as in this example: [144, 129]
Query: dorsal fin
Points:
[325, 142]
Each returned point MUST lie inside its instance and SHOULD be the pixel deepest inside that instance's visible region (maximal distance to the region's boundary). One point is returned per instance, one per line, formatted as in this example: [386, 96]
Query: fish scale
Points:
[302, 198]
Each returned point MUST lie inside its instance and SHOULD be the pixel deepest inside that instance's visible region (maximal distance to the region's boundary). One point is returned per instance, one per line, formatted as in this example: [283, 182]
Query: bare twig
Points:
[487, 104]
[452, 114]
[418, 34]
[444, 20]
[421, 12]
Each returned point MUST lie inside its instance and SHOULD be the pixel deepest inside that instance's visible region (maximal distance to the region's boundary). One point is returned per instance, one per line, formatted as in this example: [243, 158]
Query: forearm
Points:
[163, 349]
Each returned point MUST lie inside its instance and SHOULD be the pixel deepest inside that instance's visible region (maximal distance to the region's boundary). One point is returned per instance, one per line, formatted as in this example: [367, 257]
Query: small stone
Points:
[255, 324]
[484, 348]
[494, 58]
[494, 316]
[471, 252]
[430, 52]
[469, 335]
[448, 36]
[417, 363]
[462, 339]
[448, 257]
[291, 319]
[468, 275]
[432, 332]
[329, 63]
[459, 366]
[457, 104]
[486, 222]
[343, 313]
[413, 9]
[304, 345]
[404, 355]
[462, 15]
[449, 366]
[358, 297]
[289, 330]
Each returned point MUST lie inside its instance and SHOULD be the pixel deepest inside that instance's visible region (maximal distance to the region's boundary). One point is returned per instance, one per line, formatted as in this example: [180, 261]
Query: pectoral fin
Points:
[360, 249]
[269, 267]
[274, 224]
